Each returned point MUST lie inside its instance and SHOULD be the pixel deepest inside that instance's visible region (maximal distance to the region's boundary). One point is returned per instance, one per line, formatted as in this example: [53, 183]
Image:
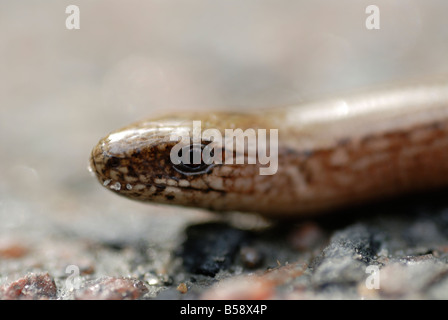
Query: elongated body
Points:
[331, 153]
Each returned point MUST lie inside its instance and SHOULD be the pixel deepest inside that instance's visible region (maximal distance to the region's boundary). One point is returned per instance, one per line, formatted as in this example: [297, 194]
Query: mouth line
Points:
[129, 187]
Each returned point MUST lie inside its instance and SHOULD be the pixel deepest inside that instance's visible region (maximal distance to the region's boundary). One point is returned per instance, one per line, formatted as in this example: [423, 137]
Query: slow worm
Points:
[332, 153]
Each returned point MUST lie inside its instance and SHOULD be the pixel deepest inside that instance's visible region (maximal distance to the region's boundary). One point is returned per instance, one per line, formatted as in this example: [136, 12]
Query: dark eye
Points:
[195, 163]
[113, 162]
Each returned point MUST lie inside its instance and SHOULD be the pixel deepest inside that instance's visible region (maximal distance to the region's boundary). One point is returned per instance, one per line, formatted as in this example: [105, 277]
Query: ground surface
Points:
[62, 90]
[404, 243]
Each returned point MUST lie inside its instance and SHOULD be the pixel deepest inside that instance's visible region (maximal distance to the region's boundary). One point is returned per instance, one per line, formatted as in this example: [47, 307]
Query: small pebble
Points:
[112, 289]
[251, 257]
[182, 287]
[31, 287]
[256, 286]
[12, 250]
[241, 288]
[306, 236]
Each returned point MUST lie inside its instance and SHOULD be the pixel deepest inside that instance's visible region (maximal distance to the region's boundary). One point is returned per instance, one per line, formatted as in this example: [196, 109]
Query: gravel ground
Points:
[405, 242]
[62, 236]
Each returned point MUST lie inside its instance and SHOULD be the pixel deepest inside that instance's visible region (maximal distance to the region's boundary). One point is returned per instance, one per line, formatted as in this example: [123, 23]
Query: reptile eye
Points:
[195, 163]
[113, 162]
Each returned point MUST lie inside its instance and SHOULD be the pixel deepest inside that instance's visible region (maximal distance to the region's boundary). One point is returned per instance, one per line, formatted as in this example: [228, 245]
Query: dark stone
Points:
[211, 247]
[345, 259]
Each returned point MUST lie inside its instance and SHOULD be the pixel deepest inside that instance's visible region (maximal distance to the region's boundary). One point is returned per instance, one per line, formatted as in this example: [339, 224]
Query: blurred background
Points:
[62, 90]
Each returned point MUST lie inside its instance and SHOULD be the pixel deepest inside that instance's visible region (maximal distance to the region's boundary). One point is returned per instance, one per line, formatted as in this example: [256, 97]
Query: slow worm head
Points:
[331, 153]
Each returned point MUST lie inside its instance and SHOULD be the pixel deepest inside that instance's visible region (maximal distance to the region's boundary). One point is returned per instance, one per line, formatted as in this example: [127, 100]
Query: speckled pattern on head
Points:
[332, 153]
[135, 162]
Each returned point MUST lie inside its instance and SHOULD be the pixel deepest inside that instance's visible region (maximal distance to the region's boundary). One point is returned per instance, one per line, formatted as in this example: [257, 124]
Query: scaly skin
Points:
[332, 153]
